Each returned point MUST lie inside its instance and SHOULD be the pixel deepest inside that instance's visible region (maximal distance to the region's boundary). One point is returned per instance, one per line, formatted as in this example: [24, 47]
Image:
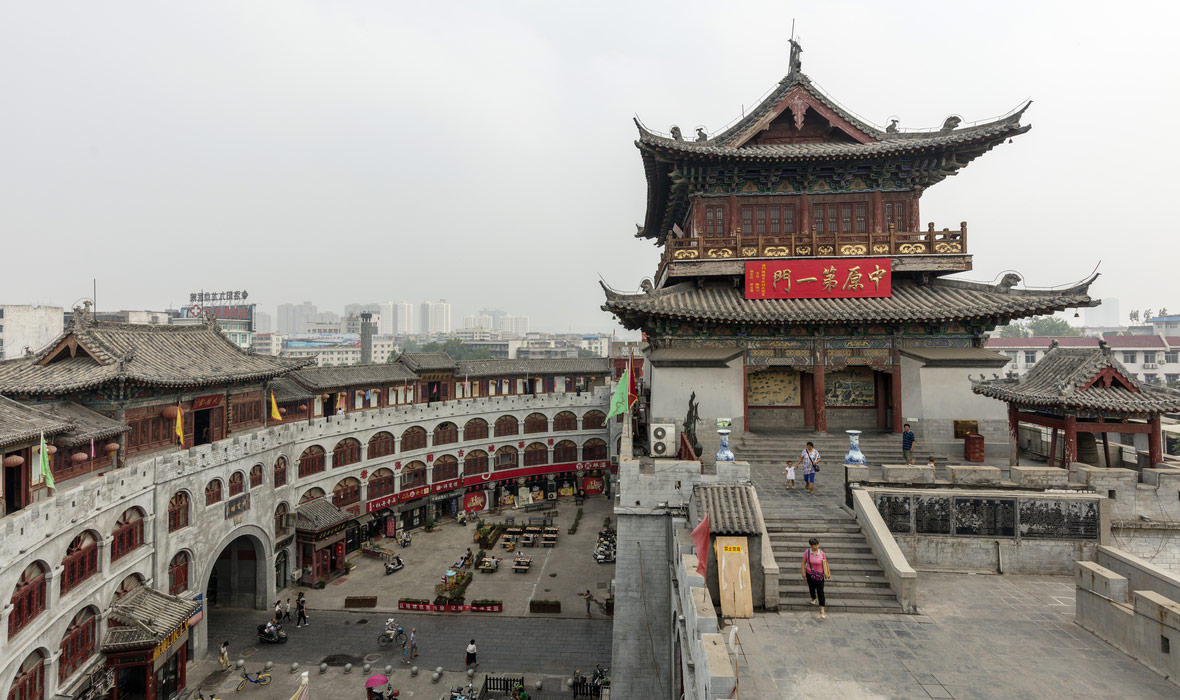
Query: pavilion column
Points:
[895, 394]
[807, 399]
[880, 391]
[1071, 441]
[1106, 448]
[1155, 452]
[1053, 447]
[817, 389]
[1013, 437]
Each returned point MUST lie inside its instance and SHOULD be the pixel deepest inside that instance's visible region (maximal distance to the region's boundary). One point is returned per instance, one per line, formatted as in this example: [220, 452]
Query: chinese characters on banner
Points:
[852, 278]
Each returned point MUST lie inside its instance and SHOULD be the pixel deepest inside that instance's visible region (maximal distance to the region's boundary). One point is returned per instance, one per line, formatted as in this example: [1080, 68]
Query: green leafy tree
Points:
[1012, 330]
[583, 352]
[1047, 326]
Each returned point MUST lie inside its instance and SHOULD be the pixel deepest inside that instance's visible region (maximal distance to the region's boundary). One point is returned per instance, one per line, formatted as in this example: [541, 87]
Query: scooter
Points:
[460, 693]
[280, 638]
[395, 565]
[378, 694]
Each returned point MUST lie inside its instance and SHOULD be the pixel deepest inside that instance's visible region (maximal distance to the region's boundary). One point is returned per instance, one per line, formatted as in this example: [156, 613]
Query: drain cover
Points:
[341, 659]
[362, 621]
[372, 658]
[247, 652]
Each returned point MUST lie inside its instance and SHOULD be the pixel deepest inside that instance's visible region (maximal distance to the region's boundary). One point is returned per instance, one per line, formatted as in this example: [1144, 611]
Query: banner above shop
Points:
[852, 278]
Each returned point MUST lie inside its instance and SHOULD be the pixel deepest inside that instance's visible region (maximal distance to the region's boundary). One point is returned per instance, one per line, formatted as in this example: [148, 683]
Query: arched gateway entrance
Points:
[238, 575]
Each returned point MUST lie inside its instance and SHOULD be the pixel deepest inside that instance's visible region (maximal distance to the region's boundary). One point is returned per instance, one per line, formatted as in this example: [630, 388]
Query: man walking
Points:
[471, 651]
[588, 598]
[300, 611]
[907, 444]
[414, 641]
[287, 611]
[810, 461]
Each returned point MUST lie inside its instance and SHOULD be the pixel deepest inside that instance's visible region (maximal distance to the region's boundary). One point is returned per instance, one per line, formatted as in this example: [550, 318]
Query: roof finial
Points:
[796, 62]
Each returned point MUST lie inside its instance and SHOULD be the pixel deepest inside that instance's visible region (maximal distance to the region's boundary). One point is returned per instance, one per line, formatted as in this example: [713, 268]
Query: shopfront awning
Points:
[148, 618]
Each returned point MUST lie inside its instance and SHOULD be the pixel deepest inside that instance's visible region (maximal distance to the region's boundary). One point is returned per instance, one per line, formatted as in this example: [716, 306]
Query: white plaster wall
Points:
[32, 326]
[946, 393]
[719, 391]
[912, 408]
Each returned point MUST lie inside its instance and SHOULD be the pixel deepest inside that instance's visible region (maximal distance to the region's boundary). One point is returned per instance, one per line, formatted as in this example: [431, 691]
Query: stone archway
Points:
[237, 576]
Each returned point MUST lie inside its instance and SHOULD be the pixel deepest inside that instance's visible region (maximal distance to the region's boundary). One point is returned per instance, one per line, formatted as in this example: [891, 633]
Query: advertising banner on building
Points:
[592, 485]
[851, 278]
[475, 502]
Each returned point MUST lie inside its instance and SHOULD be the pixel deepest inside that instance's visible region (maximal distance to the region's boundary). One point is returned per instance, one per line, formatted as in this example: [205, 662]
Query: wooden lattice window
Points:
[536, 454]
[347, 452]
[565, 421]
[715, 221]
[280, 472]
[445, 467]
[413, 438]
[895, 216]
[29, 683]
[382, 483]
[536, 423]
[476, 429]
[346, 492]
[281, 515]
[256, 476]
[507, 425]
[311, 461]
[565, 451]
[446, 434]
[178, 511]
[77, 646]
[213, 492]
[593, 449]
[81, 561]
[476, 462]
[381, 445]
[594, 420]
[28, 599]
[237, 484]
[178, 573]
[413, 476]
[312, 494]
[128, 533]
[507, 458]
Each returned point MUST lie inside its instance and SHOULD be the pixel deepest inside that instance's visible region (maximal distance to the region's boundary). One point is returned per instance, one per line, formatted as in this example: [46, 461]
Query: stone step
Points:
[833, 605]
[864, 561]
[830, 535]
[843, 568]
[871, 586]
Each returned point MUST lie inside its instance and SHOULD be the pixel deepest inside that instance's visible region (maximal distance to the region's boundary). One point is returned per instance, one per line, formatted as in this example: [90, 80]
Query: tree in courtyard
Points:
[1049, 326]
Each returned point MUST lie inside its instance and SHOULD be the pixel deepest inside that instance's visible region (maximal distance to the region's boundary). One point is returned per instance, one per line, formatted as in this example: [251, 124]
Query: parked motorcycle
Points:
[395, 565]
[279, 638]
[460, 693]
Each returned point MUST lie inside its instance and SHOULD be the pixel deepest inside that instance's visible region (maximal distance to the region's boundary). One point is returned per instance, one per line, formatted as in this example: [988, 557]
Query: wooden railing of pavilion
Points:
[815, 244]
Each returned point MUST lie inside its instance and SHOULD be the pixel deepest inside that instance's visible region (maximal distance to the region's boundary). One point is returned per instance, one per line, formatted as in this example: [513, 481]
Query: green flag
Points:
[45, 470]
[618, 402]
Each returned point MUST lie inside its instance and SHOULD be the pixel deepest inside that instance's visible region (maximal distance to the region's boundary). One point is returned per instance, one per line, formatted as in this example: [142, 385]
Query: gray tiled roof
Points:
[148, 617]
[325, 378]
[731, 509]
[427, 361]
[164, 356]
[693, 356]
[318, 514]
[940, 300]
[22, 423]
[88, 425]
[505, 368]
[1058, 380]
[286, 389]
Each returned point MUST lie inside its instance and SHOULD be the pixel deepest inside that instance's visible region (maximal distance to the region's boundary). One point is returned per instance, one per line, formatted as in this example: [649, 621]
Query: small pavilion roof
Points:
[88, 424]
[1081, 378]
[367, 376]
[571, 366]
[427, 361]
[318, 514]
[21, 423]
[148, 616]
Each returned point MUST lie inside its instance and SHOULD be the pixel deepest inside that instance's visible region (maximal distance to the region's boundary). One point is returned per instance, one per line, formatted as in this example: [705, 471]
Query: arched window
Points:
[282, 516]
[536, 423]
[476, 429]
[593, 420]
[128, 533]
[476, 462]
[178, 573]
[312, 494]
[237, 484]
[445, 467]
[593, 449]
[536, 454]
[506, 458]
[413, 439]
[213, 492]
[413, 476]
[256, 476]
[346, 492]
[28, 599]
[29, 683]
[280, 472]
[381, 445]
[178, 511]
[128, 584]
[81, 561]
[565, 420]
[382, 483]
[565, 451]
[446, 434]
[311, 461]
[78, 643]
[507, 425]
[348, 451]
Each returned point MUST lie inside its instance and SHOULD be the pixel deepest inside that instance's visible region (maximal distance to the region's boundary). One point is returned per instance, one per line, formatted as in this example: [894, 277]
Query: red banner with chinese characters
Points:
[849, 278]
[592, 485]
[474, 502]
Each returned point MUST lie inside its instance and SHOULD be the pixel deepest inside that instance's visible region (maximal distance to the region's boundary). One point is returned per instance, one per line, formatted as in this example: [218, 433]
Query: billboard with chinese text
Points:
[851, 278]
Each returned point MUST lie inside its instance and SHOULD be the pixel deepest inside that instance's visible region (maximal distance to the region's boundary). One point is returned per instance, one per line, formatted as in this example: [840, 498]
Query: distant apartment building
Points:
[396, 318]
[1165, 325]
[478, 321]
[496, 315]
[352, 324]
[32, 327]
[1153, 359]
[268, 343]
[263, 322]
[358, 309]
[338, 351]
[434, 317]
[515, 325]
[476, 334]
[292, 318]
[334, 327]
[597, 344]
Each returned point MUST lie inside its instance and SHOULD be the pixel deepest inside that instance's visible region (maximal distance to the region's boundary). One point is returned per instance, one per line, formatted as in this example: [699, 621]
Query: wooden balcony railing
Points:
[815, 244]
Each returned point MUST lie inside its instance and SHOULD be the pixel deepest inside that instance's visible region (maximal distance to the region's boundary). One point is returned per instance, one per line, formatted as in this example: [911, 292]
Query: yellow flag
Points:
[274, 408]
[180, 424]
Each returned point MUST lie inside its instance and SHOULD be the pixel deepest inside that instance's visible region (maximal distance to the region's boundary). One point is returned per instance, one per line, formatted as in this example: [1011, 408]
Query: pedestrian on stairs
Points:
[907, 444]
[790, 472]
[816, 571]
[810, 461]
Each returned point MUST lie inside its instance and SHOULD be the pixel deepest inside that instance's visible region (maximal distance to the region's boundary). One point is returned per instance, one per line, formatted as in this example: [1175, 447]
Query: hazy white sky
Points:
[483, 152]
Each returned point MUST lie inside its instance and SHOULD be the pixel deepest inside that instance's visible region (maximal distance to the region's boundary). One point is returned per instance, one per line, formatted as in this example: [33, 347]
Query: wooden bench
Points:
[541, 522]
[520, 568]
[539, 505]
[510, 520]
[549, 540]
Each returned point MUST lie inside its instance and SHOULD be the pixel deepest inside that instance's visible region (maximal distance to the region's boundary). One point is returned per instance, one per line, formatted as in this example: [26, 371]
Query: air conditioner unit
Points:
[1150, 365]
[662, 439]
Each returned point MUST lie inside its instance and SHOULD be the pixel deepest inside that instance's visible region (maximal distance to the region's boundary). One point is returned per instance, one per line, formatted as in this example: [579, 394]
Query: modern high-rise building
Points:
[478, 321]
[263, 322]
[514, 325]
[495, 315]
[434, 317]
[397, 318]
[358, 309]
[293, 317]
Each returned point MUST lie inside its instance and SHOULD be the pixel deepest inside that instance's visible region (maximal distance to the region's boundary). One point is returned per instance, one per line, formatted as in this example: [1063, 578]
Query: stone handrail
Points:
[902, 577]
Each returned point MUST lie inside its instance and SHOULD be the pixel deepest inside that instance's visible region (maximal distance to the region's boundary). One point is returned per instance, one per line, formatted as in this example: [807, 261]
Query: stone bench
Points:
[907, 474]
[974, 475]
[1040, 477]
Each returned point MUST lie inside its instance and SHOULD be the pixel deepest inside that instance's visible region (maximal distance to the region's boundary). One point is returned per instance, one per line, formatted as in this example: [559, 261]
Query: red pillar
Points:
[806, 398]
[1071, 442]
[1013, 437]
[745, 396]
[881, 394]
[1155, 449]
[1053, 447]
[817, 388]
[895, 391]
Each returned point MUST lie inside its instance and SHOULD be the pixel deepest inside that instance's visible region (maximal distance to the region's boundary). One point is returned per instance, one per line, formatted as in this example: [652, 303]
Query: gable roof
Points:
[96, 353]
[1063, 378]
[318, 514]
[148, 617]
[368, 376]
[87, 424]
[22, 423]
[731, 509]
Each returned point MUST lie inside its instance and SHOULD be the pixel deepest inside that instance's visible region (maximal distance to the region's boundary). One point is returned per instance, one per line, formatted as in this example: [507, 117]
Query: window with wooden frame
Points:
[536, 423]
[507, 425]
[382, 483]
[346, 492]
[280, 472]
[445, 467]
[593, 449]
[413, 476]
[715, 220]
[446, 434]
[148, 430]
[381, 445]
[593, 420]
[565, 421]
[256, 476]
[281, 526]
[414, 438]
[476, 462]
[29, 683]
[475, 429]
[178, 511]
[536, 454]
[80, 562]
[312, 494]
[77, 646]
[213, 492]
[178, 573]
[507, 458]
[237, 484]
[28, 598]
[245, 409]
[565, 451]
[347, 451]
[311, 461]
[895, 216]
[128, 533]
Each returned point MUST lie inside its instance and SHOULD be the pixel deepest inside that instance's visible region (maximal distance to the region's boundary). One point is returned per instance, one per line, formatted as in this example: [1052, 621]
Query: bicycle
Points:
[393, 634]
[261, 678]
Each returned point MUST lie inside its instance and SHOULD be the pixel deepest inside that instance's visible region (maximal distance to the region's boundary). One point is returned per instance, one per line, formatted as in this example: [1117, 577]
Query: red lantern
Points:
[169, 412]
[51, 449]
[302, 407]
[79, 457]
[112, 447]
[13, 461]
[282, 411]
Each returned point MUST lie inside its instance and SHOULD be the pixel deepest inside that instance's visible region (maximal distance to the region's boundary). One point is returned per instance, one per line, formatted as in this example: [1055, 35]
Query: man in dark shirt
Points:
[907, 444]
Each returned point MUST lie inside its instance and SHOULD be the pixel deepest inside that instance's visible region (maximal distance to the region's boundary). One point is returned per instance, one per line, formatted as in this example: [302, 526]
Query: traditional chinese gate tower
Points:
[796, 287]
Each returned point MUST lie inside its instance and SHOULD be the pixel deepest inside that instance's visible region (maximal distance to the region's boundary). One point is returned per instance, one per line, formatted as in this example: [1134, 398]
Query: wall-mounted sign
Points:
[237, 506]
[378, 503]
[203, 402]
[853, 278]
[413, 494]
[447, 485]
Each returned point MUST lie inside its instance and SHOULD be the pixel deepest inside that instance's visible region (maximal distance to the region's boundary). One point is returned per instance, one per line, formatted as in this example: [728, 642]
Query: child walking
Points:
[790, 472]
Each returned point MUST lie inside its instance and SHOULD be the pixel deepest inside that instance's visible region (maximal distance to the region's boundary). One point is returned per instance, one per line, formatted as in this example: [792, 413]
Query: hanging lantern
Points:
[302, 407]
[51, 449]
[112, 447]
[13, 461]
[169, 412]
[79, 457]
[282, 411]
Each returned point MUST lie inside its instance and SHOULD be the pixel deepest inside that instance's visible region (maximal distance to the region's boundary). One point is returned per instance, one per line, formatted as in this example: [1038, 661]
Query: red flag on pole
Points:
[632, 394]
[700, 542]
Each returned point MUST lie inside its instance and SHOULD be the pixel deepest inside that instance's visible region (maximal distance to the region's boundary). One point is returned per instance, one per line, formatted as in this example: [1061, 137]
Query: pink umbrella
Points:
[375, 681]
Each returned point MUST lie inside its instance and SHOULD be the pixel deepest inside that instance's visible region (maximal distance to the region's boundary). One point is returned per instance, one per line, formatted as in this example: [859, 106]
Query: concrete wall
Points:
[933, 398]
[902, 578]
[1156, 543]
[705, 665]
[33, 327]
[719, 391]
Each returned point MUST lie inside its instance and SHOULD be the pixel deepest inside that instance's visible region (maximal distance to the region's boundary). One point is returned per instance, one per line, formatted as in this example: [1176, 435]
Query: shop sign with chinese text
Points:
[846, 278]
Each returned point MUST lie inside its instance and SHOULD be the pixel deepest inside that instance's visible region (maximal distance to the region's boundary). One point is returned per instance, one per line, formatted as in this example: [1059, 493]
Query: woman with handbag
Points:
[809, 458]
[816, 571]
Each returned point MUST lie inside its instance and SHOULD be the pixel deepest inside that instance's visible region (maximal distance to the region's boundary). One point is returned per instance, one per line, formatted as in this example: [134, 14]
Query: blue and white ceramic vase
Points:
[724, 454]
[855, 457]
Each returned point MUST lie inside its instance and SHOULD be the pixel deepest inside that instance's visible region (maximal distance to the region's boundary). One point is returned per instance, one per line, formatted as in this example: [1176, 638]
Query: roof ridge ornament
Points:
[796, 66]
